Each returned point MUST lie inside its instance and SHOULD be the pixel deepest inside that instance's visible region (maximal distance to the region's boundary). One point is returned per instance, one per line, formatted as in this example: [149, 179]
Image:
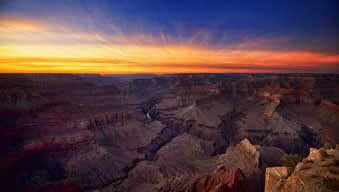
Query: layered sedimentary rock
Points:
[221, 181]
[318, 172]
[228, 173]
[274, 178]
[143, 133]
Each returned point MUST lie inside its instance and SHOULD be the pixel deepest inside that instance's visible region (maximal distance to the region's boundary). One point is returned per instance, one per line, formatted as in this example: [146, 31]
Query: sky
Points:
[169, 36]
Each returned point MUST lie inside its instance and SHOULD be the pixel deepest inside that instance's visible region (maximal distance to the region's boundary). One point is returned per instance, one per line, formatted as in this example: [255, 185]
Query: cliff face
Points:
[237, 170]
[319, 172]
[220, 181]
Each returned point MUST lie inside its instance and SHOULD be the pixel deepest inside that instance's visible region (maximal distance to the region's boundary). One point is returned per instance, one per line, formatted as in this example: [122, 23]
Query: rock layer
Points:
[319, 172]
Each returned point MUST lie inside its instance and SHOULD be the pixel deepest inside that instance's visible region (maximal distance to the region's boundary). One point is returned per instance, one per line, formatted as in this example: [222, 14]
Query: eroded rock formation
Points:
[220, 181]
[145, 133]
[318, 172]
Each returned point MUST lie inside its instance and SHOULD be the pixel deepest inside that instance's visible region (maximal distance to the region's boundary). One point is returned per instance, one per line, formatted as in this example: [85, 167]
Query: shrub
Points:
[291, 160]
[329, 145]
[323, 153]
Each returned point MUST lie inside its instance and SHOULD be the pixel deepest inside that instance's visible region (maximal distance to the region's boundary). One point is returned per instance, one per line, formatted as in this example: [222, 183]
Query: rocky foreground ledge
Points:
[319, 172]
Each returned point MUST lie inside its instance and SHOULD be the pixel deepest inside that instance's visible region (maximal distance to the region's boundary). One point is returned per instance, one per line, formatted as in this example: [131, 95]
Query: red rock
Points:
[224, 181]
[232, 180]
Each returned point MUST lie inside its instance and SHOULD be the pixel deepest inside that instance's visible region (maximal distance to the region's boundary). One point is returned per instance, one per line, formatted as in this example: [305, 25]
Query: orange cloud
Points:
[14, 25]
[174, 60]
[72, 51]
[38, 60]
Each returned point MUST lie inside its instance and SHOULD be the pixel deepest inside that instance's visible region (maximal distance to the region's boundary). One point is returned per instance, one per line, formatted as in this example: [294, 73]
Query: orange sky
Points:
[35, 47]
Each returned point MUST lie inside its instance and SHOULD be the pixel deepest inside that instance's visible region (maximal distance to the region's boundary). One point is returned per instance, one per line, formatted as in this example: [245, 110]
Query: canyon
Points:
[168, 133]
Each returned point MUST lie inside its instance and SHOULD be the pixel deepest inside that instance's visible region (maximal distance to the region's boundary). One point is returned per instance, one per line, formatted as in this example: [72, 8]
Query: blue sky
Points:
[303, 21]
[287, 25]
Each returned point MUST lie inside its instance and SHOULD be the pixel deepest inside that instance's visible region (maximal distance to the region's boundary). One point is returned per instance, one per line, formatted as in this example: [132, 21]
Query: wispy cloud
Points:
[35, 46]
[10, 25]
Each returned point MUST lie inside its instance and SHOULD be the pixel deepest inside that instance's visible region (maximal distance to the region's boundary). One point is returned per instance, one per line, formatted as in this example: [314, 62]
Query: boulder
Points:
[314, 155]
[318, 172]
[274, 178]
[249, 151]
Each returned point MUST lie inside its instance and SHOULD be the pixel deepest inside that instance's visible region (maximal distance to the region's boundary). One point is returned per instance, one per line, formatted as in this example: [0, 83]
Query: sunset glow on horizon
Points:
[32, 44]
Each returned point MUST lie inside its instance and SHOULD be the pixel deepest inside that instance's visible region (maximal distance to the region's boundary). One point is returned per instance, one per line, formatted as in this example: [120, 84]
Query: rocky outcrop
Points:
[250, 151]
[314, 155]
[319, 172]
[275, 177]
[222, 181]
[272, 106]
[245, 156]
